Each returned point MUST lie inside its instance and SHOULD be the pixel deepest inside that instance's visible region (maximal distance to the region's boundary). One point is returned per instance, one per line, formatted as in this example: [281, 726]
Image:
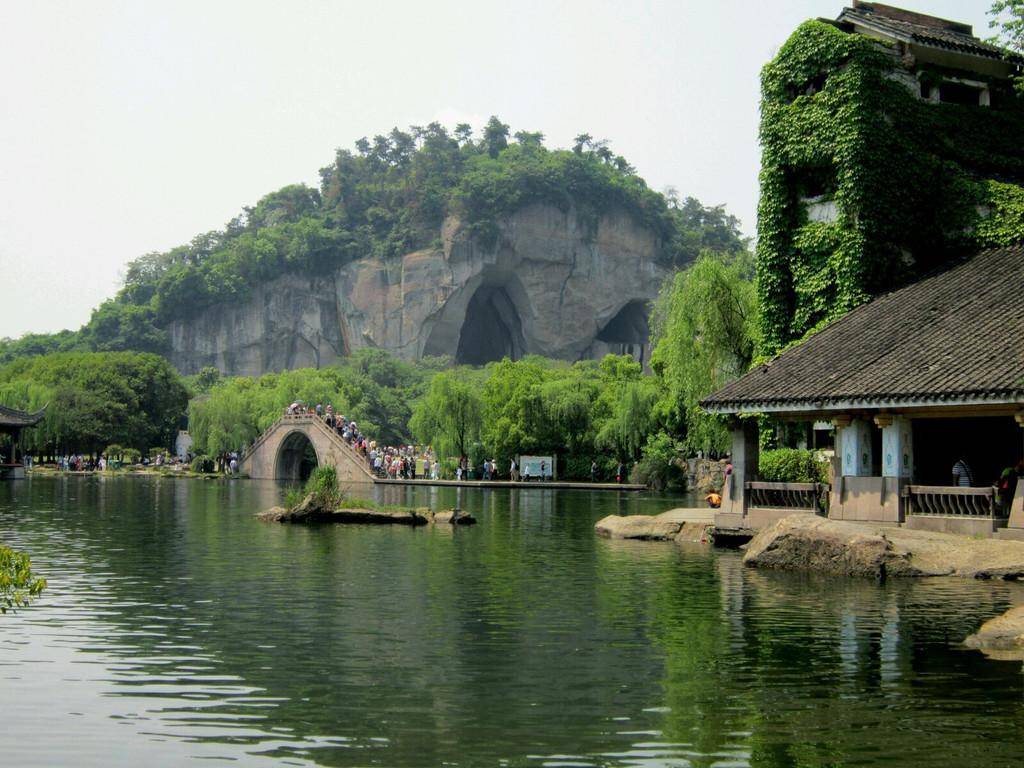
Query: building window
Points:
[959, 93]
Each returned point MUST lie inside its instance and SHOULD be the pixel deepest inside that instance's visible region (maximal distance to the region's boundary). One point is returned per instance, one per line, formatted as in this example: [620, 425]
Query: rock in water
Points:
[1001, 637]
[804, 542]
[273, 515]
[448, 517]
[812, 543]
[675, 525]
[308, 511]
[643, 527]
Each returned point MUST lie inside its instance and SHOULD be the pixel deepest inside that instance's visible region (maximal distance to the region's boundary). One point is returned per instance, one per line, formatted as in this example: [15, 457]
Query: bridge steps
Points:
[262, 459]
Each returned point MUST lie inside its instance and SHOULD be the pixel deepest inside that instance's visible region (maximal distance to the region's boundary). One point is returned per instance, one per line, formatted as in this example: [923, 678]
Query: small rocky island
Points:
[310, 511]
[323, 502]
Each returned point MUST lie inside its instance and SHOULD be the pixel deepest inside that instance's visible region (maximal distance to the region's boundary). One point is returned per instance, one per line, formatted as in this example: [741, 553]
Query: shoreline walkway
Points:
[548, 484]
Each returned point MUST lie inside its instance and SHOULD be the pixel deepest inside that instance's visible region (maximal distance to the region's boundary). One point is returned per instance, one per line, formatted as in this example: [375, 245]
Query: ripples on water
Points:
[176, 627]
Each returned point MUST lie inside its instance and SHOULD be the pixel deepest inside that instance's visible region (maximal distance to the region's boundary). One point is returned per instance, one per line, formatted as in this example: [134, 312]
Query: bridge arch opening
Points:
[492, 329]
[296, 458]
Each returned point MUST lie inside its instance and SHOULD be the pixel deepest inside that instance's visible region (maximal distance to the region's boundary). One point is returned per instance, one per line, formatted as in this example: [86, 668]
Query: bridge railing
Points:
[799, 497]
[317, 422]
[953, 501]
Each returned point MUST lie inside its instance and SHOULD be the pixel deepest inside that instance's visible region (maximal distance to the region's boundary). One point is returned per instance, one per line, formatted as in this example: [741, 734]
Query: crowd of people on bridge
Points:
[409, 462]
[395, 462]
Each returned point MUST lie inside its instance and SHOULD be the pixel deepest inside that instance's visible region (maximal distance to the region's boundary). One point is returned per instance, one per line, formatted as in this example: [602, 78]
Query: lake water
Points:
[177, 629]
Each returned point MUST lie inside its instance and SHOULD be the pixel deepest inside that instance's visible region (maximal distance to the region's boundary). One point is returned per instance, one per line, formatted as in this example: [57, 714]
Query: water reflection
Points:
[176, 626]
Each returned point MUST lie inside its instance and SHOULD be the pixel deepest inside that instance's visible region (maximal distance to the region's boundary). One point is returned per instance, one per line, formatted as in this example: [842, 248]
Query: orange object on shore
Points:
[714, 500]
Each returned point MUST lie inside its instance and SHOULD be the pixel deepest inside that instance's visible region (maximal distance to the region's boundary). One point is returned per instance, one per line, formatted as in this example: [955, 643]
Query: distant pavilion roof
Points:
[954, 338]
[11, 418]
[911, 27]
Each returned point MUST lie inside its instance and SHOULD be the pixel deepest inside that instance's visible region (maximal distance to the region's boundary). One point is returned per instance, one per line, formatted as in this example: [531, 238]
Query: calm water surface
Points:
[177, 628]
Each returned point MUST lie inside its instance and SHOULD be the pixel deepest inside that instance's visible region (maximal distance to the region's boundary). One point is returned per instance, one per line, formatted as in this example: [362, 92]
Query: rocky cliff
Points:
[554, 283]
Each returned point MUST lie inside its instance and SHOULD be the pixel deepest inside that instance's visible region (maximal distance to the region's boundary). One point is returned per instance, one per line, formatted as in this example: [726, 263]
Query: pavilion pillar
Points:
[897, 446]
[745, 457]
[1017, 505]
[897, 464]
[855, 444]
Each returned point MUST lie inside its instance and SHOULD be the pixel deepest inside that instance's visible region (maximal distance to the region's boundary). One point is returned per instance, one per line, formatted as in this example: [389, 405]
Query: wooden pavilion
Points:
[912, 383]
[12, 422]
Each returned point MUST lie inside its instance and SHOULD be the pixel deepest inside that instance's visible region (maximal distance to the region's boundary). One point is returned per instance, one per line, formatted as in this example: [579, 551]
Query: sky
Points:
[130, 127]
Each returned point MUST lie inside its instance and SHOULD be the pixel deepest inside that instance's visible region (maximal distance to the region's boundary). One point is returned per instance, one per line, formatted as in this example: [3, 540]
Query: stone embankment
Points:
[675, 525]
[811, 543]
[1001, 637]
[308, 511]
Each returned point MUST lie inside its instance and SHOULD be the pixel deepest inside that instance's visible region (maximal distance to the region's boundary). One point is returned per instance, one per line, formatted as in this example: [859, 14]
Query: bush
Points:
[18, 584]
[293, 497]
[576, 467]
[202, 464]
[793, 465]
[323, 485]
[659, 463]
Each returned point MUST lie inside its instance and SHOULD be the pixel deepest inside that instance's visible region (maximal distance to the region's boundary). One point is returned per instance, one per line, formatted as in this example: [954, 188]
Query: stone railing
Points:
[952, 500]
[800, 497]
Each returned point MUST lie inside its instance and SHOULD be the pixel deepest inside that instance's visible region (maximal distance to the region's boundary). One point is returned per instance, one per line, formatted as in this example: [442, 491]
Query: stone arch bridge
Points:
[296, 442]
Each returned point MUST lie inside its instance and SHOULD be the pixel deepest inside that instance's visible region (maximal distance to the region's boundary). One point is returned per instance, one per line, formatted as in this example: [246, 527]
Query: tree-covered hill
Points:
[385, 199]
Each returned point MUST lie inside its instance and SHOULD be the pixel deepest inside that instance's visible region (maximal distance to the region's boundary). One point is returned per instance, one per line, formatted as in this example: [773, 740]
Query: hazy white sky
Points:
[128, 127]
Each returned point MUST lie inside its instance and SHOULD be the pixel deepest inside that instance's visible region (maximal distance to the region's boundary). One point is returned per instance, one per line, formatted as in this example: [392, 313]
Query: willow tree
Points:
[449, 415]
[705, 330]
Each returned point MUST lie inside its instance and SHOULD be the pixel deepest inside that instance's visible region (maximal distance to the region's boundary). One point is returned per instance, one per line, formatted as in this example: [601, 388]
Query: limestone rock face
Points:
[554, 283]
[1001, 637]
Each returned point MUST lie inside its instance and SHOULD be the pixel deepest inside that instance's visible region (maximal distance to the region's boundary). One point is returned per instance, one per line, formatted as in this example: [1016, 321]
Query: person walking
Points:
[593, 471]
[618, 473]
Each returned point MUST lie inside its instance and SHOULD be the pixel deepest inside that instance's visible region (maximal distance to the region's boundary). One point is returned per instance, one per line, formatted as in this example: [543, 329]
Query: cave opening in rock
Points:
[296, 458]
[628, 332]
[492, 329]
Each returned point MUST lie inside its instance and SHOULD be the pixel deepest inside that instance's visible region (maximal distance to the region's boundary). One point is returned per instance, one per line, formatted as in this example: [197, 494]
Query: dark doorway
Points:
[990, 444]
[296, 458]
[628, 332]
[492, 329]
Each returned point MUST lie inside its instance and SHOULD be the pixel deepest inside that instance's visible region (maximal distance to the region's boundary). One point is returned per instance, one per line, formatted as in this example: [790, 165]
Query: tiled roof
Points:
[955, 336]
[925, 30]
[11, 417]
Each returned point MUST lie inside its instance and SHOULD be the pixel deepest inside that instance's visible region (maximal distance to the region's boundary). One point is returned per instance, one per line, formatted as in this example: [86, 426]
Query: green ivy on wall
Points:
[915, 184]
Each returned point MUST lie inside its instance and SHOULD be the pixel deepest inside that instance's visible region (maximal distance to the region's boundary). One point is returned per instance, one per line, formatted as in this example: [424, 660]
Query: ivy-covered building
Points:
[893, 142]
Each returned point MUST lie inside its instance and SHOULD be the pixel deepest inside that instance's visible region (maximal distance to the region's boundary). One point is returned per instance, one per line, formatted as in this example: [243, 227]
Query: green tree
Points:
[449, 415]
[495, 136]
[1007, 17]
[631, 420]
[96, 399]
[705, 332]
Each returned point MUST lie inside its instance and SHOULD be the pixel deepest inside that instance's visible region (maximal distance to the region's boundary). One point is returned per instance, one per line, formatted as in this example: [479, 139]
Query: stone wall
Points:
[705, 475]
